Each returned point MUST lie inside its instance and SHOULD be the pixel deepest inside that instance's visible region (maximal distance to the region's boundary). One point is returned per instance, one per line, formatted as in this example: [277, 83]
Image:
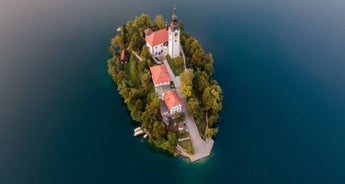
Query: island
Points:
[166, 80]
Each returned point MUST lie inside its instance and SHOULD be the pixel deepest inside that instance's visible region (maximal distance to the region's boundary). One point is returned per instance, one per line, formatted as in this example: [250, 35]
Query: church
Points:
[166, 40]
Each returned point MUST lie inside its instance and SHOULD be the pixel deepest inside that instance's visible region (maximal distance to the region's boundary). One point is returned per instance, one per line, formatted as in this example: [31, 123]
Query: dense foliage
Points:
[176, 64]
[204, 95]
[135, 85]
[134, 81]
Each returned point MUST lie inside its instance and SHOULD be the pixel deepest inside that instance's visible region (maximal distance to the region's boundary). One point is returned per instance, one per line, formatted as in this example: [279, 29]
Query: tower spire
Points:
[175, 9]
[174, 36]
[174, 18]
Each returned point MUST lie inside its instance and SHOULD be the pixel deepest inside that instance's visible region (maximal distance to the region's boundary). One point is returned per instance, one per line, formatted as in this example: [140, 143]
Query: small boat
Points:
[137, 129]
[138, 132]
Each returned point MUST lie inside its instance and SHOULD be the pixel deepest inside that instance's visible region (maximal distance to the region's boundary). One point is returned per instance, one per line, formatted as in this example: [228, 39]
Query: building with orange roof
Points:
[161, 79]
[124, 57]
[172, 101]
[157, 41]
[166, 40]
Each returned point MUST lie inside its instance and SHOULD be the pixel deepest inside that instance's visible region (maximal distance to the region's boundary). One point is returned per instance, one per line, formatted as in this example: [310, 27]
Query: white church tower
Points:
[174, 37]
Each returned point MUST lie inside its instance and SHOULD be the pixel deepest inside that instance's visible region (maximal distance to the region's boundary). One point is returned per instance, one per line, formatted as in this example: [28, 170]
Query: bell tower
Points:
[174, 36]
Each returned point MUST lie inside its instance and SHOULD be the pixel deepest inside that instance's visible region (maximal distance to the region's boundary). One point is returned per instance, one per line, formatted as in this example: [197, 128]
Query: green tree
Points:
[150, 115]
[212, 98]
[178, 64]
[171, 142]
[136, 115]
[211, 132]
[213, 117]
[112, 68]
[120, 76]
[186, 90]
[202, 81]
[198, 56]
[186, 84]
[194, 107]
[136, 43]
[207, 99]
[123, 89]
[143, 21]
[145, 77]
[158, 130]
[131, 98]
[145, 53]
[159, 21]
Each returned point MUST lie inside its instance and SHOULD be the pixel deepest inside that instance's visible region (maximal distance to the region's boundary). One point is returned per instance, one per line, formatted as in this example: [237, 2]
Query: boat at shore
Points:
[137, 129]
[138, 132]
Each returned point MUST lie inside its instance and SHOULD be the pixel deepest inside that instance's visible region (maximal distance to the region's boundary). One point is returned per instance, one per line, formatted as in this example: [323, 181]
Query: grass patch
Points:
[131, 70]
[176, 64]
[183, 134]
[187, 145]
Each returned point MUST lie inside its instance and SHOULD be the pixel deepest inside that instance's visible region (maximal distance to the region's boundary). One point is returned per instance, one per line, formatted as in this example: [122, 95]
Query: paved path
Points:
[201, 148]
[136, 55]
[183, 139]
[184, 58]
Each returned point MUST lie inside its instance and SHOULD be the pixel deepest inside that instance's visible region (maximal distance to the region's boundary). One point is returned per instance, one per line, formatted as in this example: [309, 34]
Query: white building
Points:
[172, 101]
[161, 79]
[157, 41]
[164, 41]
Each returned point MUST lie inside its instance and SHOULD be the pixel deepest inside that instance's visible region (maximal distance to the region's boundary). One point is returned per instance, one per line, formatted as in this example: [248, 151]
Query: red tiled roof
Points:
[171, 99]
[157, 37]
[124, 55]
[160, 74]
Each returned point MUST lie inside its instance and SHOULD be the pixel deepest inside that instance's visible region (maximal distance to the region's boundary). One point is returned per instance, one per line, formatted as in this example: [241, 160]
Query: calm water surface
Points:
[280, 64]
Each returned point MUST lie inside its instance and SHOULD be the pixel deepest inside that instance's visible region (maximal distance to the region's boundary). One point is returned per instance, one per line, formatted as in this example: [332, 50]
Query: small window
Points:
[176, 34]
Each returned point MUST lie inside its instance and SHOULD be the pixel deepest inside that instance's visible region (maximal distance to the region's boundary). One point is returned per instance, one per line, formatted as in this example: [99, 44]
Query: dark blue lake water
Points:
[280, 63]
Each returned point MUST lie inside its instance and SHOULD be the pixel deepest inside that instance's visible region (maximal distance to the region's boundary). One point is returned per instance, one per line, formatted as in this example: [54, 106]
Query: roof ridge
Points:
[157, 37]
